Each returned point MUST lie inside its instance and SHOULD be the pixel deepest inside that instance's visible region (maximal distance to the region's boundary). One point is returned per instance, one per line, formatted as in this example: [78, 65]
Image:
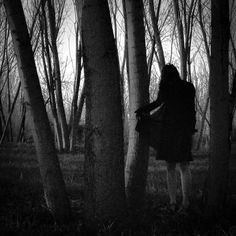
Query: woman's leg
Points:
[186, 182]
[171, 181]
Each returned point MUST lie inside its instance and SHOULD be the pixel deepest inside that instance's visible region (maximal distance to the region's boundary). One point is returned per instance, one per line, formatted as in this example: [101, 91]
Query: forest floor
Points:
[23, 210]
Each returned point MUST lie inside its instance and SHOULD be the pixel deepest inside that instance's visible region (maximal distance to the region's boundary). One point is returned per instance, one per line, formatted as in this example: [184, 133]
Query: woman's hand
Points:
[139, 112]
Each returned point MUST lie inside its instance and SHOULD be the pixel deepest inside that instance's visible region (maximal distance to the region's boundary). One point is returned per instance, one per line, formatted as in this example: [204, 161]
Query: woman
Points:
[177, 125]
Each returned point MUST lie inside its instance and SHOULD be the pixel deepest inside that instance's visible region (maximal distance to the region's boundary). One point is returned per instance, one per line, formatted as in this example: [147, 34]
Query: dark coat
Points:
[171, 127]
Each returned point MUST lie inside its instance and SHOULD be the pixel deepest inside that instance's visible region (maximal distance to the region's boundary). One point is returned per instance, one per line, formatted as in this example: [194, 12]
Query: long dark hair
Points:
[169, 75]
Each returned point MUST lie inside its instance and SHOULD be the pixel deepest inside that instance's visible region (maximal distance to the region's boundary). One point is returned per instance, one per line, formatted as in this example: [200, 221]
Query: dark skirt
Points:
[171, 142]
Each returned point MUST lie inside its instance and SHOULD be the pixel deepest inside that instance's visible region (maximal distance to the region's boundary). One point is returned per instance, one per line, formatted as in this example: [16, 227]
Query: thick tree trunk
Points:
[219, 108]
[54, 187]
[137, 156]
[104, 158]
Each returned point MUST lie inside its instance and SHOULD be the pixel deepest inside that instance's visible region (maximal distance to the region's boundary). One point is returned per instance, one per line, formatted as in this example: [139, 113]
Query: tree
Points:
[184, 24]
[154, 19]
[76, 109]
[4, 69]
[57, 73]
[104, 157]
[137, 156]
[53, 184]
[48, 73]
[10, 113]
[219, 108]
[204, 26]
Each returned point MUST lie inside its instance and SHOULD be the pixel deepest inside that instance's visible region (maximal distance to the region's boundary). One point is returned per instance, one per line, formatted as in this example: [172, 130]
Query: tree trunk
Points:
[75, 114]
[20, 136]
[10, 137]
[204, 114]
[104, 158]
[49, 79]
[76, 88]
[10, 113]
[124, 64]
[2, 117]
[54, 187]
[78, 62]
[182, 51]
[203, 30]
[154, 19]
[57, 72]
[219, 108]
[137, 156]
[75, 123]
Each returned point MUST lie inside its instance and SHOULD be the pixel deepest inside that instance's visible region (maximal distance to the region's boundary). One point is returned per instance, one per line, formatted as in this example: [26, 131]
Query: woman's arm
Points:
[149, 107]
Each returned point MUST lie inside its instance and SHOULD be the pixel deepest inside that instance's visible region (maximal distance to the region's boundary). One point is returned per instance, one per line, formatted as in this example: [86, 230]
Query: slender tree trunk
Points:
[154, 19]
[3, 62]
[203, 30]
[125, 65]
[75, 123]
[9, 125]
[59, 99]
[75, 114]
[49, 79]
[2, 116]
[104, 157]
[20, 135]
[182, 51]
[219, 108]
[78, 4]
[10, 113]
[204, 113]
[78, 69]
[54, 186]
[137, 156]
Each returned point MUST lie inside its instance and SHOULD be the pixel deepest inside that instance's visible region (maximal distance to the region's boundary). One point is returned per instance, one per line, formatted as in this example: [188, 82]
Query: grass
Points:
[23, 210]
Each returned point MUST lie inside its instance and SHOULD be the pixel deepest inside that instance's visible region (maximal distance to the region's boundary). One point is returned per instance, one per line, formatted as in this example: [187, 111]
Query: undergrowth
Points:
[23, 210]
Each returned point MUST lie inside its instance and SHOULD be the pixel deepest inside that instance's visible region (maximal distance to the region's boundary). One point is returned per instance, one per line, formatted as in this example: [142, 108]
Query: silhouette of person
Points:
[172, 136]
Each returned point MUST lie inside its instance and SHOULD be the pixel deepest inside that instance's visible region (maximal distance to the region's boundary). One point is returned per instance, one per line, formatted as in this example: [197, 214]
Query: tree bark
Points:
[219, 108]
[104, 157]
[54, 187]
[137, 156]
